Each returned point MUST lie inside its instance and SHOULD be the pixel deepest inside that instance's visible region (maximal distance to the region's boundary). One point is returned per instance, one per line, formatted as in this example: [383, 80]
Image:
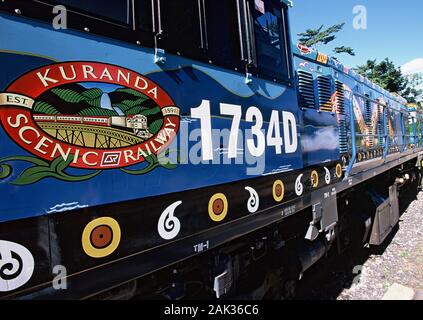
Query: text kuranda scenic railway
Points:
[147, 151]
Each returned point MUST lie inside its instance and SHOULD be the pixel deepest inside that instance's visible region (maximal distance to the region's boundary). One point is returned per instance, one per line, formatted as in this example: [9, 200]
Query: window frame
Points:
[289, 78]
[101, 18]
[94, 25]
[90, 24]
[198, 53]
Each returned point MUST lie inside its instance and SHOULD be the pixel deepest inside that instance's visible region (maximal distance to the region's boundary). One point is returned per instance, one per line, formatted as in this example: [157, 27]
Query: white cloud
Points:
[414, 66]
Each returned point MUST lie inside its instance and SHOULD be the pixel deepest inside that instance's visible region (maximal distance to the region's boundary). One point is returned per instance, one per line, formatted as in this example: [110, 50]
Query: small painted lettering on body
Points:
[203, 246]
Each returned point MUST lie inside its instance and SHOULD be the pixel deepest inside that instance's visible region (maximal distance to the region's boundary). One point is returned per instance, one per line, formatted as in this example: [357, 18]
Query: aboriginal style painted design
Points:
[169, 225]
[101, 237]
[253, 201]
[16, 265]
[218, 207]
[278, 191]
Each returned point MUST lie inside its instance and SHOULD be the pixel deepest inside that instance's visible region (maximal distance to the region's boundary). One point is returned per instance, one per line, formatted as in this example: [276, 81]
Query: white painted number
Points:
[258, 140]
[236, 112]
[274, 133]
[254, 115]
[203, 113]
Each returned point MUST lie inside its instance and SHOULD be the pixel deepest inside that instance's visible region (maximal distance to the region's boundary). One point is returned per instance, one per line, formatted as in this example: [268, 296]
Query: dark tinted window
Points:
[144, 15]
[269, 33]
[181, 26]
[223, 32]
[117, 10]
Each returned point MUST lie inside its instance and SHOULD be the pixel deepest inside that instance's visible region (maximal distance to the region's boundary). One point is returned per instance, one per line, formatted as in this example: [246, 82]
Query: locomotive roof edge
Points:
[307, 53]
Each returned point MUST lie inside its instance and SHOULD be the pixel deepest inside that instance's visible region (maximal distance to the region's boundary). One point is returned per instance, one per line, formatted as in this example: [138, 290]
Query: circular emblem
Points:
[314, 179]
[278, 190]
[101, 237]
[218, 207]
[93, 115]
[338, 171]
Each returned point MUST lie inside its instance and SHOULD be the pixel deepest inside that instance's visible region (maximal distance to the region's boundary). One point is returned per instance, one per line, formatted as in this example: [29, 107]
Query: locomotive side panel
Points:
[121, 158]
[216, 148]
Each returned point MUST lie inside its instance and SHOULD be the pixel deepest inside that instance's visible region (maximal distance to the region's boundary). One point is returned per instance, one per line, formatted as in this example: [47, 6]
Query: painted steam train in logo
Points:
[136, 123]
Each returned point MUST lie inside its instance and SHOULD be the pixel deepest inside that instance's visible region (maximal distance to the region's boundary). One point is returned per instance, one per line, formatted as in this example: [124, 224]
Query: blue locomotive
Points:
[147, 145]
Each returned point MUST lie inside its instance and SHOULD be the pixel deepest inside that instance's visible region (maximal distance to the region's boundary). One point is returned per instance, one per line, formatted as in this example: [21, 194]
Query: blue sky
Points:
[394, 29]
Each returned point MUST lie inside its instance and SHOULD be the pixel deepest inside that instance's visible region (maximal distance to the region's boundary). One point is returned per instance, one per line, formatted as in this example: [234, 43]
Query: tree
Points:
[313, 38]
[413, 92]
[390, 77]
[344, 49]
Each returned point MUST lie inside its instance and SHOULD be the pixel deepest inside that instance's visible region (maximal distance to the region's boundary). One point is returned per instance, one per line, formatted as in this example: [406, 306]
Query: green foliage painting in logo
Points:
[44, 108]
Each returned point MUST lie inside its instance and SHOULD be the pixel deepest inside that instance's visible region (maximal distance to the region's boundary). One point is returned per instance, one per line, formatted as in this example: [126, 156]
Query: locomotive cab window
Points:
[270, 39]
[222, 33]
[143, 12]
[181, 26]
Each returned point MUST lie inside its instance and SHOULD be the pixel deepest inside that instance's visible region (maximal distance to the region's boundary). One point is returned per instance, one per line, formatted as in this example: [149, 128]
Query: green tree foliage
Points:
[133, 92]
[44, 108]
[68, 95]
[415, 89]
[155, 126]
[390, 77]
[344, 49]
[315, 37]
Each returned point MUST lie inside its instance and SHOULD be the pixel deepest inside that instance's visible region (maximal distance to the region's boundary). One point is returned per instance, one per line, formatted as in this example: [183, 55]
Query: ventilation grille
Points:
[340, 98]
[340, 106]
[306, 89]
[368, 118]
[325, 93]
[368, 112]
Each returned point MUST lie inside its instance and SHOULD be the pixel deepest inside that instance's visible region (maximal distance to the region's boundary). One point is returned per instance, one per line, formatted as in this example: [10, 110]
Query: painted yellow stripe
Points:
[28, 54]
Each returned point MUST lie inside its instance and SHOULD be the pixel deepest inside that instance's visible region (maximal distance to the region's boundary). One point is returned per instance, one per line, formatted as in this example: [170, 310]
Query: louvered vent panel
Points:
[368, 118]
[368, 112]
[340, 105]
[325, 93]
[340, 98]
[306, 89]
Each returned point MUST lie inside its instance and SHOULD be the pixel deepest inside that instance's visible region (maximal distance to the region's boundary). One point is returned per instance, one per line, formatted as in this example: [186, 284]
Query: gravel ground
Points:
[399, 261]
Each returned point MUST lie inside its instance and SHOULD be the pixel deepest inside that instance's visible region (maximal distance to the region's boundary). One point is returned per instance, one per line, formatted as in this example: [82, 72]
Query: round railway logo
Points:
[89, 114]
